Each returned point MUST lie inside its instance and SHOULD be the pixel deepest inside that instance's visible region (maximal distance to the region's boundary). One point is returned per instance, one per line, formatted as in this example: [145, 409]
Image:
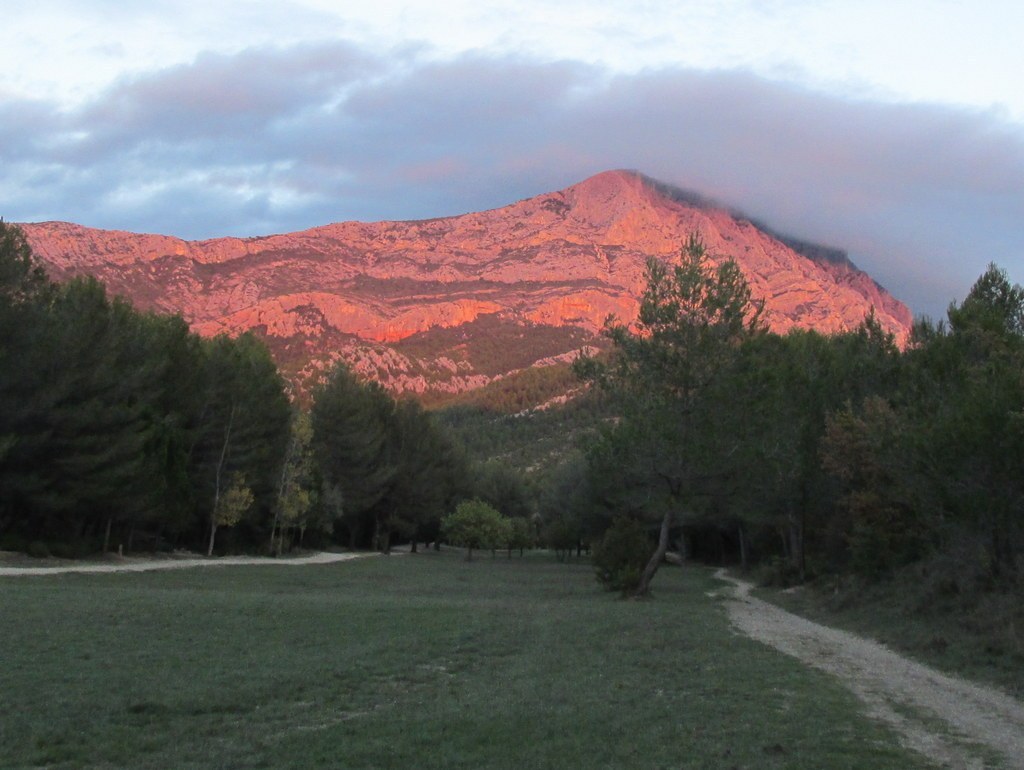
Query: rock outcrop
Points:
[536, 279]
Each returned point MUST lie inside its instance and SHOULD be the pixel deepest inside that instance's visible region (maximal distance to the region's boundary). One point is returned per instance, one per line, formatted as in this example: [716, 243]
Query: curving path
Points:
[147, 565]
[952, 722]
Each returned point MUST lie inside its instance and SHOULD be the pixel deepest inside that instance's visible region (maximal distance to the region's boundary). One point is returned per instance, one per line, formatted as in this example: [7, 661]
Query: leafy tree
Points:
[622, 555]
[230, 507]
[692, 320]
[475, 524]
[294, 498]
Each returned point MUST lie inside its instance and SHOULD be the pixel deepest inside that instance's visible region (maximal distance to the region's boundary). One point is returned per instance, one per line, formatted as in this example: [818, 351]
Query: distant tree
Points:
[520, 535]
[230, 507]
[864, 449]
[244, 424]
[351, 423]
[22, 277]
[504, 488]
[426, 471]
[294, 495]
[572, 510]
[475, 524]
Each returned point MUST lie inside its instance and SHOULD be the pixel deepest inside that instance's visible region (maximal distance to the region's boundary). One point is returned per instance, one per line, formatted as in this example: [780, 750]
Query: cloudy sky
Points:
[891, 128]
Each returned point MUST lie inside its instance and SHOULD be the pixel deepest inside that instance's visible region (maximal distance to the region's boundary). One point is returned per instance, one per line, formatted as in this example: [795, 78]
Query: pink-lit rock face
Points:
[567, 258]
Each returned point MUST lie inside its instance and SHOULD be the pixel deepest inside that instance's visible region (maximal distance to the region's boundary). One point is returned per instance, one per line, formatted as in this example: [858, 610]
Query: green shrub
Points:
[37, 549]
[74, 550]
[621, 555]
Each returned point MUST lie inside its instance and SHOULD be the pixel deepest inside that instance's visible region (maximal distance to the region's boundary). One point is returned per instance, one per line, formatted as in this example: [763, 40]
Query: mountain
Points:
[447, 305]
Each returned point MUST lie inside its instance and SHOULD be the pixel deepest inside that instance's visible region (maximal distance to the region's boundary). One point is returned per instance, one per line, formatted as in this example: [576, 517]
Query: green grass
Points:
[408, 662]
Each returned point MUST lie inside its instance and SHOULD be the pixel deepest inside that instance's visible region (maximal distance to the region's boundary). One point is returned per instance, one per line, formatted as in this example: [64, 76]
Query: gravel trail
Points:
[147, 565]
[954, 723]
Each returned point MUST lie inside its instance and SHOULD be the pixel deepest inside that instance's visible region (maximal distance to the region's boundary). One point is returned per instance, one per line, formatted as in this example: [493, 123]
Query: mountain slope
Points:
[446, 305]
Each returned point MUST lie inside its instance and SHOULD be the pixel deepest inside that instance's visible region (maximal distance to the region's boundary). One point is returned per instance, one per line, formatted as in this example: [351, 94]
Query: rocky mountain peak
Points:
[446, 305]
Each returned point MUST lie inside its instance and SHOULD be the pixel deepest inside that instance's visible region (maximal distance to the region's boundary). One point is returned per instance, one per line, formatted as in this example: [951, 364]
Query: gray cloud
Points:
[272, 140]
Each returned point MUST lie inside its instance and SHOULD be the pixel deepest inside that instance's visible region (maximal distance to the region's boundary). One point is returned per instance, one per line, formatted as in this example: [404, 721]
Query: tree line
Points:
[123, 429]
[707, 435]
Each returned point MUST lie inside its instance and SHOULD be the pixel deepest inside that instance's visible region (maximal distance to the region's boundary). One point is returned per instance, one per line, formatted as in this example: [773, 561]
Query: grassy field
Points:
[411, 662]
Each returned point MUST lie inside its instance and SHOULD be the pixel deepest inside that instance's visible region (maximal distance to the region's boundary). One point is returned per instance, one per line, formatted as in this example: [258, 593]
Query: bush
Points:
[75, 550]
[621, 555]
[778, 572]
[37, 550]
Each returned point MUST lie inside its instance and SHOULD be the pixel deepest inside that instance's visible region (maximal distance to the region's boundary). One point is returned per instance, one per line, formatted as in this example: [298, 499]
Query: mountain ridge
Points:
[554, 266]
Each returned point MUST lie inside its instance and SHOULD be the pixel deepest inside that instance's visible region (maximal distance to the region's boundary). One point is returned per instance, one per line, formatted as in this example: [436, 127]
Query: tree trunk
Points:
[412, 546]
[281, 487]
[743, 547]
[655, 562]
[106, 535]
[796, 545]
[216, 479]
[131, 537]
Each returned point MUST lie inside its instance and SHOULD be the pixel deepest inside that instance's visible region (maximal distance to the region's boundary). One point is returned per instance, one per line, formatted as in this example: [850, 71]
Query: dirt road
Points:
[952, 722]
[146, 565]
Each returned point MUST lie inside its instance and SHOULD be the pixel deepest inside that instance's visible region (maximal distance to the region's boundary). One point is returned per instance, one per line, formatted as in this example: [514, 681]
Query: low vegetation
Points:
[933, 612]
[416, 661]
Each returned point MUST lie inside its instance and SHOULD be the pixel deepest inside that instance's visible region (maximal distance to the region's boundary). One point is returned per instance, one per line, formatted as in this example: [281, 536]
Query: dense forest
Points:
[809, 454]
[697, 431]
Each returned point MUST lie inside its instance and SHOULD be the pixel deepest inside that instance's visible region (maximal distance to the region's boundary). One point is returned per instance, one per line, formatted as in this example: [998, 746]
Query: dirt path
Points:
[952, 722]
[146, 565]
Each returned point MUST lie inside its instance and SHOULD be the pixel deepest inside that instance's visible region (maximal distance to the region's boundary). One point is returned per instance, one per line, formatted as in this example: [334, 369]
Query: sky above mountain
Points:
[892, 129]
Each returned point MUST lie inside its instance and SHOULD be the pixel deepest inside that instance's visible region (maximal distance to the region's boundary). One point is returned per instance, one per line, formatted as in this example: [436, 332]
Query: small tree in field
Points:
[475, 524]
[621, 555]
